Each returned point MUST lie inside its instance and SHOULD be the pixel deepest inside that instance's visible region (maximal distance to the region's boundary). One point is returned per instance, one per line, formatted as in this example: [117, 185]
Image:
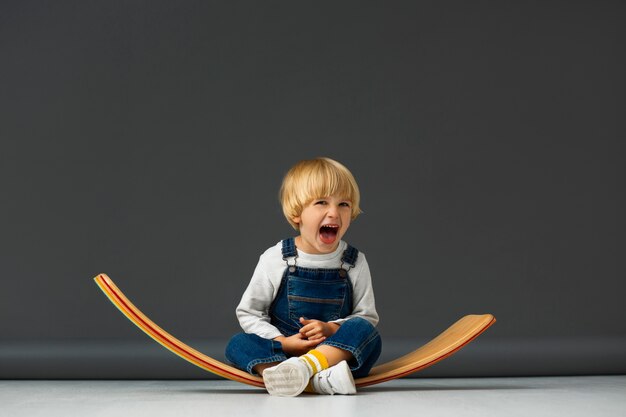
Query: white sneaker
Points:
[288, 378]
[334, 380]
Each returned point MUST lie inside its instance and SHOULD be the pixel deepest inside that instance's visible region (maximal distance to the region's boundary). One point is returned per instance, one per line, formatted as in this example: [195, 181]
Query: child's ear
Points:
[296, 220]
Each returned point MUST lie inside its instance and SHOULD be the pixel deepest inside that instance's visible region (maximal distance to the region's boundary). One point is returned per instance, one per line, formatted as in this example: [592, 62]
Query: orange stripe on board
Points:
[165, 339]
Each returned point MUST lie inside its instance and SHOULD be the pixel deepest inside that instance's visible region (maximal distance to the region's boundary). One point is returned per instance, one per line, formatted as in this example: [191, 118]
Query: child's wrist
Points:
[333, 327]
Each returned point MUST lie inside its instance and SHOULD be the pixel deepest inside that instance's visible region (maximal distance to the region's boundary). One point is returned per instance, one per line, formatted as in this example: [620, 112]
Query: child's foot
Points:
[287, 379]
[334, 380]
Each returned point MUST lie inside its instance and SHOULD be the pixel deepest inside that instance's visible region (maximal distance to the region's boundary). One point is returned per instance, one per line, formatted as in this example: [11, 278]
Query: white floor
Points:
[546, 396]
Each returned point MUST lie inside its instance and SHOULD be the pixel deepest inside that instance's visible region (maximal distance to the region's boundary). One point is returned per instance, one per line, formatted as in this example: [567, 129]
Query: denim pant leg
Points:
[245, 351]
[360, 338]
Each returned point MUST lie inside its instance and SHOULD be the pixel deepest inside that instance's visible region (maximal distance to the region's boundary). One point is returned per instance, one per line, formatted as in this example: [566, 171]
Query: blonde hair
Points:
[317, 178]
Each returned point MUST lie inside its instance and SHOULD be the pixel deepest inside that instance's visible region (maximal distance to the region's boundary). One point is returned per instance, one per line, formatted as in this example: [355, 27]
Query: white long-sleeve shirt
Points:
[253, 309]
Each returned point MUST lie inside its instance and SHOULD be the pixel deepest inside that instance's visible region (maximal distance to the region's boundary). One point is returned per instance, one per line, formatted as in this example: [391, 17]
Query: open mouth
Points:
[328, 233]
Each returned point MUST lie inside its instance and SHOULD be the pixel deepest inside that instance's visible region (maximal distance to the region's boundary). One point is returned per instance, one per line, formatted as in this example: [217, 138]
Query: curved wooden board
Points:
[447, 343]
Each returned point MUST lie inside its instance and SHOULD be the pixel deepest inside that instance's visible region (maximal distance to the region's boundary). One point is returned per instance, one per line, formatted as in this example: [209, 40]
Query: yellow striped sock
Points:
[315, 360]
[320, 357]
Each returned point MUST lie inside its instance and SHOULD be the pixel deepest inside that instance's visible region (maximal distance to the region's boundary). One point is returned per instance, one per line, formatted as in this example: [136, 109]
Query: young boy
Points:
[308, 313]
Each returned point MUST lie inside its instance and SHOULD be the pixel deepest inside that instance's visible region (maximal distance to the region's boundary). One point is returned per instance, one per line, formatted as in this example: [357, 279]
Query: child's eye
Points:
[321, 202]
[345, 204]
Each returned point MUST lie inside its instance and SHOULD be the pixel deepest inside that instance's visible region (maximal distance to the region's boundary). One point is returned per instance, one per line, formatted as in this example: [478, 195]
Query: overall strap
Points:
[289, 248]
[289, 251]
[349, 256]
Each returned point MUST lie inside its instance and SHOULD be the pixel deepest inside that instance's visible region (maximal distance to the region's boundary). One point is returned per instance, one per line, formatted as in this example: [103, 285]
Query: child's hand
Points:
[297, 344]
[316, 330]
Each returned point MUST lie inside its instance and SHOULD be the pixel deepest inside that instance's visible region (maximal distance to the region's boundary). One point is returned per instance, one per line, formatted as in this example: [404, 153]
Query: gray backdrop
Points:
[148, 139]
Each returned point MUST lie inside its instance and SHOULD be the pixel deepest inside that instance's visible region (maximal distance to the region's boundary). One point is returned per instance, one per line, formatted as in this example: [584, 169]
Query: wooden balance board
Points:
[447, 343]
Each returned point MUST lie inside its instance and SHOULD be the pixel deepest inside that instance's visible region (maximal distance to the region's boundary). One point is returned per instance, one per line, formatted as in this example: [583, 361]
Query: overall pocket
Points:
[315, 299]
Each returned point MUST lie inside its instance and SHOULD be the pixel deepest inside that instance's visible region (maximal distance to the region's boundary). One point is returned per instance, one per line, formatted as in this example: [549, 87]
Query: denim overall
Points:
[320, 294]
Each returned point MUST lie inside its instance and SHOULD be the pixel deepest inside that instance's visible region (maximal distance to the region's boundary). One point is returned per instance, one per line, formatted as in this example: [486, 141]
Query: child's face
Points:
[323, 222]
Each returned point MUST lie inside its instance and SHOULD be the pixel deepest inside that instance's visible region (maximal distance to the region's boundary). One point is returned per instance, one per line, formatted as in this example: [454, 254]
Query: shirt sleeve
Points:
[252, 311]
[364, 304]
